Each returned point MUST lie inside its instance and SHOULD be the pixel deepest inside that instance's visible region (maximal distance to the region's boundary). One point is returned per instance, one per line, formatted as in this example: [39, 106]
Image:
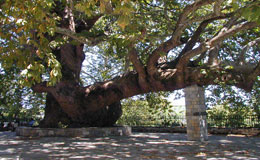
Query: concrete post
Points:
[196, 113]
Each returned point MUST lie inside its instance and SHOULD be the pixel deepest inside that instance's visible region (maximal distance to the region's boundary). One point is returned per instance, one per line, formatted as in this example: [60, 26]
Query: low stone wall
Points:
[243, 131]
[74, 132]
[159, 129]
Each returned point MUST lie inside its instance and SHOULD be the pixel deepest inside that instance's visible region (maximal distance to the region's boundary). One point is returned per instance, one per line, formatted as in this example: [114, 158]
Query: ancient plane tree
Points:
[163, 46]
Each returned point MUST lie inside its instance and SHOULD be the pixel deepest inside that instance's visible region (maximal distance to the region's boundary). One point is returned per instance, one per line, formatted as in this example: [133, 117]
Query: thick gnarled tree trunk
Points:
[56, 117]
[65, 102]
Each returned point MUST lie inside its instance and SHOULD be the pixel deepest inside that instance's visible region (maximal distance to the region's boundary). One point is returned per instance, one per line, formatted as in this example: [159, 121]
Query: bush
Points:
[234, 117]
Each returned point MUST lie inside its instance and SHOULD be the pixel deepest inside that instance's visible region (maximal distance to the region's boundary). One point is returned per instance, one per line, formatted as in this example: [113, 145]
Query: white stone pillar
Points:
[196, 113]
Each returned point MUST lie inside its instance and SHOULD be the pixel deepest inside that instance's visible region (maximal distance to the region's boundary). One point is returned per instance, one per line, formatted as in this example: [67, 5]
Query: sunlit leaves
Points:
[250, 9]
[33, 73]
[122, 9]
[252, 13]
[55, 73]
[25, 25]
[86, 6]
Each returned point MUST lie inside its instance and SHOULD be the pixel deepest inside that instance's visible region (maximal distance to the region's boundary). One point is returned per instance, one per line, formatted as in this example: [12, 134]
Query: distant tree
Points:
[135, 113]
[163, 46]
[17, 103]
[149, 110]
[235, 98]
[227, 116]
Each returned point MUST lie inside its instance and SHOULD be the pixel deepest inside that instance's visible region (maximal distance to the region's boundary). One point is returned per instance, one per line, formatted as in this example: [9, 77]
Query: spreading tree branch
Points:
[213, 56]
[201, 57]
[213, 42]
[217, 7]
[241, 59]
[139, 67]
[194, 39]
[42, 87]
[174, 41]
[191, 43]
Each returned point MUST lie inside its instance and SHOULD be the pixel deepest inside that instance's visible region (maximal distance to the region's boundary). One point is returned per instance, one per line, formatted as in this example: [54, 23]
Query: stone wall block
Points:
[74, 132]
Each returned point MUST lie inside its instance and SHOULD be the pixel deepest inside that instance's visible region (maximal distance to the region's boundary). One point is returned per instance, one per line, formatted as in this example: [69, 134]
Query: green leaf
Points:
[123, 21]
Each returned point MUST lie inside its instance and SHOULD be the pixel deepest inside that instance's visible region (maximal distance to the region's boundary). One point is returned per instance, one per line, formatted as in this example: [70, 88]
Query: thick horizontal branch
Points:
[245, 69]
[102, 94]
[42, 87]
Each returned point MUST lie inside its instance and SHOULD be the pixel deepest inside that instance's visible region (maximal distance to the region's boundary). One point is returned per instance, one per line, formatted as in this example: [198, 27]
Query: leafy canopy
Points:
[26, 28]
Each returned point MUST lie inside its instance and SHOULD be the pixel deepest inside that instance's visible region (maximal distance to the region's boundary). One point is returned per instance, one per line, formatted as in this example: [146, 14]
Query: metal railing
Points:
[234, 121]
[250, 121]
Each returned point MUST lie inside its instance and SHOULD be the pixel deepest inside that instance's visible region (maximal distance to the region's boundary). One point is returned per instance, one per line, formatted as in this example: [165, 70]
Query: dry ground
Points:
[137, 146]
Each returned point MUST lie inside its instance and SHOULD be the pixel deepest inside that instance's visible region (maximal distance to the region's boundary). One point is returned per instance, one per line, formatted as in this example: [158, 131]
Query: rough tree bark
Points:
[55, 116]
[67, 96]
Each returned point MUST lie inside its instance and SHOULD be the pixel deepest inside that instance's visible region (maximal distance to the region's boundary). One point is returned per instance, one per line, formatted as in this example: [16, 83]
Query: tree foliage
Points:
[26, 27]
[16, 102]
[234, 98]
[228, 116]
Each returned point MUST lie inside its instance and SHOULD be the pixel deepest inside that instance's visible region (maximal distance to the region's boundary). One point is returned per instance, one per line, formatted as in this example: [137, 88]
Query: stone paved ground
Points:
[137, 146]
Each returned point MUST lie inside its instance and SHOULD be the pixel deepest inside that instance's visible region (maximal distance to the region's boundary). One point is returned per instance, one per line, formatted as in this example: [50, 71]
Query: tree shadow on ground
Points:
[137, 146]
